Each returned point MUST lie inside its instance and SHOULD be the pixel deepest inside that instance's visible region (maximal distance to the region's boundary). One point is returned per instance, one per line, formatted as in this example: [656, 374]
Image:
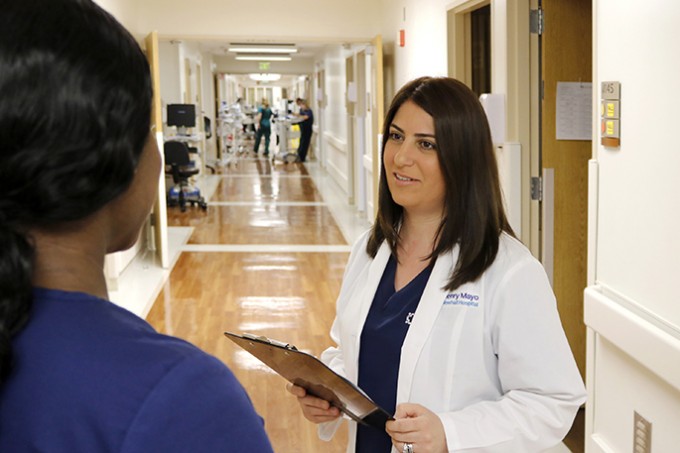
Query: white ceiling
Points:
[305, 49]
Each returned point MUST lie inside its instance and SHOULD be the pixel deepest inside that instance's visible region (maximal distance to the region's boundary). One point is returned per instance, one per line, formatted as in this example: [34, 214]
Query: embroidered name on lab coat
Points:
[462, 298]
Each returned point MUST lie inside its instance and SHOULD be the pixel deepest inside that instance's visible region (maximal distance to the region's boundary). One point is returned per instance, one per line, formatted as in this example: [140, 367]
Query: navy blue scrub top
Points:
[387, 323]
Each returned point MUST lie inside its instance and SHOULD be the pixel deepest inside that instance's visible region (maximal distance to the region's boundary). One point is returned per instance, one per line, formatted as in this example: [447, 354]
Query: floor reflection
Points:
[283, 286]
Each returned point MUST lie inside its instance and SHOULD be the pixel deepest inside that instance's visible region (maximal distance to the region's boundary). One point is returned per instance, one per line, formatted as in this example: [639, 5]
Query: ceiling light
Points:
[263, 49]
[263, 57]
[266, 77]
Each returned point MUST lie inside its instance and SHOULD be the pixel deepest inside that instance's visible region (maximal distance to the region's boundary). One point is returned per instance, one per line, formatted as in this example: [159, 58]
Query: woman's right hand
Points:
[314, 409]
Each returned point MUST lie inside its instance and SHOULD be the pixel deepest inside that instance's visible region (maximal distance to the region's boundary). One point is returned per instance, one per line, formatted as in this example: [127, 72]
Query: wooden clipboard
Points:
[313, 375]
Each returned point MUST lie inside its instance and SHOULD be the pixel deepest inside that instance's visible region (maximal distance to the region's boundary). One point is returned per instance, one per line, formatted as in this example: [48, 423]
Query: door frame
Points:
[372, 164]
[350, 109]
[159, 213]
[511, 77]
[360, 130]
[560, 218]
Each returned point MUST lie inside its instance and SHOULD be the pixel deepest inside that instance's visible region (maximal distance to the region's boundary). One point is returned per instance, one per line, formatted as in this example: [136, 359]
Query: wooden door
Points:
[159, 215]
[566, 53]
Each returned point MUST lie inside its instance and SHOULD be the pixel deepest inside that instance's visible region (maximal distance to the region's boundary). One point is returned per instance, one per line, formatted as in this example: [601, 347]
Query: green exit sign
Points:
[264, 66]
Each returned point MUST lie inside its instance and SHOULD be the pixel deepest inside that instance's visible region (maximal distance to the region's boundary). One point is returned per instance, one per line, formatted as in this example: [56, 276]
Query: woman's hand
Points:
[416, 425]
[314, 409]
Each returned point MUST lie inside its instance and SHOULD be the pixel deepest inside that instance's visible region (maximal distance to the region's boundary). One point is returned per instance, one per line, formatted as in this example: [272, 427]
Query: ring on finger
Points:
[408, 448]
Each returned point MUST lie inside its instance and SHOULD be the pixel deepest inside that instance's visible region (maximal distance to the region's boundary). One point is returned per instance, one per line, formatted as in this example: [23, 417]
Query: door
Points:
[469, 44]
[565, 48]
[350, 107]
[377, 107]
[188, 73]
[159, 215]
[360, 132]
[321, 99]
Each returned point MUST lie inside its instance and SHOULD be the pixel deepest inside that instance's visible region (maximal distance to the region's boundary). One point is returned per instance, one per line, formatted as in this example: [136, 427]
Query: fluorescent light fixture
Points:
[263, 57]
[266, 77]
[263, 49]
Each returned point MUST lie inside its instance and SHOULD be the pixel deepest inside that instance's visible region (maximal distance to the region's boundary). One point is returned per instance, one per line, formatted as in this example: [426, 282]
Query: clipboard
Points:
[313, 375]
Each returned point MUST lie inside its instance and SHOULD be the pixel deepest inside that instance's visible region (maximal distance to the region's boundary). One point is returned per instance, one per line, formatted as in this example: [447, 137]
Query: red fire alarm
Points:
[402, 38]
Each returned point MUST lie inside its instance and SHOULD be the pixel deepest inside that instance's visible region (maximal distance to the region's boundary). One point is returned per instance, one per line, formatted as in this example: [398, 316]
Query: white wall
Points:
[639, 196]
[293, 19]
[169, 69]
[634, 257]
[334, 132]
[125, 11]
[424, 53]
[190, 54]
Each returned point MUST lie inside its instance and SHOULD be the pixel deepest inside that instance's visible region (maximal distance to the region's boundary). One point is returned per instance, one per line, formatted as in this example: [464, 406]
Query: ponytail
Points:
[16, 291]
[74, 117]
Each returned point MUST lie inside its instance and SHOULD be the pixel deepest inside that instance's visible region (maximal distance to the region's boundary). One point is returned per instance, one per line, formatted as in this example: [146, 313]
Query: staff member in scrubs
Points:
[79, 169]
[444, 318]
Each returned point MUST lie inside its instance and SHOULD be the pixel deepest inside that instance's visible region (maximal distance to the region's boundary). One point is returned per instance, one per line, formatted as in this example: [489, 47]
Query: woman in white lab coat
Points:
[444, 317]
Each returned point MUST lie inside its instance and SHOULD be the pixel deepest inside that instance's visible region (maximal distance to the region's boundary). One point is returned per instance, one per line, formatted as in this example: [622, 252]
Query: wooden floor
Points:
[286, 295]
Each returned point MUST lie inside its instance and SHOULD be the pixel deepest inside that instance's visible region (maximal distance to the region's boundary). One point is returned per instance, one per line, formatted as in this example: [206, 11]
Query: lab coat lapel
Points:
[426, 315]
[375, 272]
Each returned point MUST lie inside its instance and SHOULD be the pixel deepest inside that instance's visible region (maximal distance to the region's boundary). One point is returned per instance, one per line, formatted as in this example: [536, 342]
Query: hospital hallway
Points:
[266, 258]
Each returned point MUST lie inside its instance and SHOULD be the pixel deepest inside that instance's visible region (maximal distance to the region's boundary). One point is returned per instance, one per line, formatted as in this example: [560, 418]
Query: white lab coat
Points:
[490, 358]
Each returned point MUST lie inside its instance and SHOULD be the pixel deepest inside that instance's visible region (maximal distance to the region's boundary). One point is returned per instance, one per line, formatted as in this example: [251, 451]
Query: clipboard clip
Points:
[270, 341]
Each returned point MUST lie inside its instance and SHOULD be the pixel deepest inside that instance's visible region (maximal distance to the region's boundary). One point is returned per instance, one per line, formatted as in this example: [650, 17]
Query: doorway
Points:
[480, 50]
[560, 56]
[563, 60]
[469, 49]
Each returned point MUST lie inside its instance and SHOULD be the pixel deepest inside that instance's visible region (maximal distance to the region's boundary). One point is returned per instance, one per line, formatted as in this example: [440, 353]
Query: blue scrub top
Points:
[387, 323]
[89, 376]
[266, 113]
[309, 122]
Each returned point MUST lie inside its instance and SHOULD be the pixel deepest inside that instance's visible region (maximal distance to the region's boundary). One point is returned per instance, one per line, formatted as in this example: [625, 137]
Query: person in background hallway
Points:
[264, 126]
[236, 107]
[79, 170]
[444, 318]
[239, 111]
[305, 128]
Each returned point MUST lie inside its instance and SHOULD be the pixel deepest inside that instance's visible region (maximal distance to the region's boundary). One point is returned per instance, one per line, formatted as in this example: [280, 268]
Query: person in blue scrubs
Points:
[79, 170]
[306, 128]
[444, 318]
[264, 127]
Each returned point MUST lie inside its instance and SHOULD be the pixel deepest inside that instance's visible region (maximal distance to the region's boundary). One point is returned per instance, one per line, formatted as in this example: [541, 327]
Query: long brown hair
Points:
[474, 216]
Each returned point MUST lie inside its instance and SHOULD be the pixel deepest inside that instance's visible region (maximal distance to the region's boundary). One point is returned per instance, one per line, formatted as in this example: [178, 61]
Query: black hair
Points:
[75, 112]
[474, 216]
